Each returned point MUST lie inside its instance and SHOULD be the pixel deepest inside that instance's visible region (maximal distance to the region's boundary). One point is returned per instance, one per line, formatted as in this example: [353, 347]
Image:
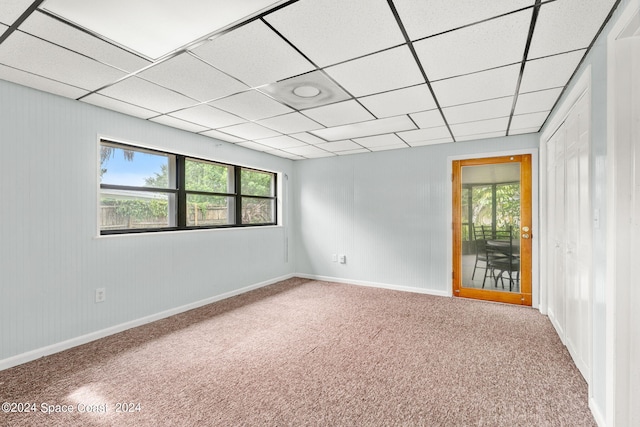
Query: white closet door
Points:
[627, 232]
[569, 231]
[578, 236]
[634, 291]
[550, 239]
[556, 230]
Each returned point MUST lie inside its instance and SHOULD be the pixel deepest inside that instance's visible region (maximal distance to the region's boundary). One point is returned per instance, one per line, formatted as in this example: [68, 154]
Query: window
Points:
[257, 196]
[210, 193]
[147, 190]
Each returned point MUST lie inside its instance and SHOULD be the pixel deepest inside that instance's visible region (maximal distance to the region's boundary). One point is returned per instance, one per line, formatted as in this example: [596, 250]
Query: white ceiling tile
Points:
[523, 131]
[308, 138]
[332, 31]
[119, 106]
[389, 147]
[421, 143]
[425, 18]
[338, 114]
[254, 54]
[222, 136]
[494, 108]
[479, 47]
[428, 119]
[155, 28]
[309, 151]
[281, 142]
[401, 101]
[251, 105]
[177, 123]
[36, 56]
[250, 131]
[480, 86]
[339, 146]
[533, 102]
[550, 72]
[147, 95]
[531, 120]
[254, 146]
[40, 83]
[10, 10]
[379, 141]
[290, 123]
[481, 126]
[284, 154]
[420, 135]
[388, 70]
[208, 116]
[567, 25]
[348, 152]
[372, 127]
[190, 76]
[55, 31]
[480, 136]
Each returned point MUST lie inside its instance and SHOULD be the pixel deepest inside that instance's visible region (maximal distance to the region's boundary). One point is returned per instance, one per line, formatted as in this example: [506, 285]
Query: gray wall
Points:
[388, 212]
[51, 258]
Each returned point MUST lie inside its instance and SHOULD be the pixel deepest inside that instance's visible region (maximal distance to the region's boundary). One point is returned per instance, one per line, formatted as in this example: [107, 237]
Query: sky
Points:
[133, 172]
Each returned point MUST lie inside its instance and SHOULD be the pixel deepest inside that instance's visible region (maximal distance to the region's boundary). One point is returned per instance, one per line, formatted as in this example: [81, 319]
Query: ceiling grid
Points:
[305, 79]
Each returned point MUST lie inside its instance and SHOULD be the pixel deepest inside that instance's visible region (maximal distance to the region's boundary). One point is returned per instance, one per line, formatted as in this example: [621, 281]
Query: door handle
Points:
[526, 236]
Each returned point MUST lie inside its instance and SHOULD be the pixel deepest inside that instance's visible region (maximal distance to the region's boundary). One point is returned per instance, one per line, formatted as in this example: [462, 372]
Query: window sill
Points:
[189, 230]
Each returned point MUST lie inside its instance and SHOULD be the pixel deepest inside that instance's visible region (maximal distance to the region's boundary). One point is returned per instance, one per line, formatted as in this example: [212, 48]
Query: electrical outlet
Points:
[343, 259]
[334, 257]
[101, 294]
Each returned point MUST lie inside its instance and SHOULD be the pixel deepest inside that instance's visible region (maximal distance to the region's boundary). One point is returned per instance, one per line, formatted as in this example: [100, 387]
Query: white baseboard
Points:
[374, 284]
[597, 414]
[83, 339]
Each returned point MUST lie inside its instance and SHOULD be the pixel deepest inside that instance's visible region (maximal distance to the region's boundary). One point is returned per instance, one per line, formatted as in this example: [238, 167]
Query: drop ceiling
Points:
[390, 74]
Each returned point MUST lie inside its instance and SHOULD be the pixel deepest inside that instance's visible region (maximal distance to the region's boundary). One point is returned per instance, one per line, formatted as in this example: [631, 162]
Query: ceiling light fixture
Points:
[306, 91]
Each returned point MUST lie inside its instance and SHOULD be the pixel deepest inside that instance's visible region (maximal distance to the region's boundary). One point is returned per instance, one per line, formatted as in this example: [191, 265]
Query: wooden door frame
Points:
[525, 296]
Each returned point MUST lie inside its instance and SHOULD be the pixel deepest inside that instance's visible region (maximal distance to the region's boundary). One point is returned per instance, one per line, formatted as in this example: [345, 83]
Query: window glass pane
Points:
[508, 206]
[136, 168]
[211, 177]
[257, 211]
[209, 210]
[256, 183]
[123, 210]
[482, 205]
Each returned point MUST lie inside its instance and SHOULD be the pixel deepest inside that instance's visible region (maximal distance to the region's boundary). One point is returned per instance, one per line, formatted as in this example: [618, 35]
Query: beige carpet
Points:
[305, 352]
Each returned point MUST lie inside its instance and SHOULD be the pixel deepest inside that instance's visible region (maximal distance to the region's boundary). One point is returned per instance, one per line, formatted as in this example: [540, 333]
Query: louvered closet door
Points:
[578, 236]
[626, 223]
[556, 230]
[568, 243]
[634, 291]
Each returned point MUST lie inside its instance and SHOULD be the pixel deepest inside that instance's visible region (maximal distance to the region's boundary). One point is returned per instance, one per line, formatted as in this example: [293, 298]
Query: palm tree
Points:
[107, 152]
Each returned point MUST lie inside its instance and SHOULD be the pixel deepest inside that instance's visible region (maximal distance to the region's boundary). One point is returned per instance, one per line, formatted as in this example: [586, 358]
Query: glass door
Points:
[492, 229]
